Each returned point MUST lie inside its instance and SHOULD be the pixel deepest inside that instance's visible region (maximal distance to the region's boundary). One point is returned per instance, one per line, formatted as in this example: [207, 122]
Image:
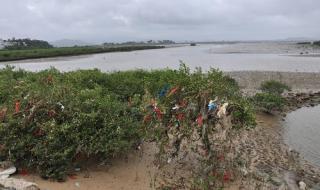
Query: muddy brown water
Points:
[302, 132]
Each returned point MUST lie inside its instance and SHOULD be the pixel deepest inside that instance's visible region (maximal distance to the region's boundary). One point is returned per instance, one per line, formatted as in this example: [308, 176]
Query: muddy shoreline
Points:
[300, 82]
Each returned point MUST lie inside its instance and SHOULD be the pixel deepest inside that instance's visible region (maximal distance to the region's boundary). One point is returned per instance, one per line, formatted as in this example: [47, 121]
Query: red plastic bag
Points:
[200, 120]
[17, 106]
[173, 91]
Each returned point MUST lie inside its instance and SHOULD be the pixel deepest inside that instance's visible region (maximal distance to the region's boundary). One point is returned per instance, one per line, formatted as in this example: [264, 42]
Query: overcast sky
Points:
[122, 20]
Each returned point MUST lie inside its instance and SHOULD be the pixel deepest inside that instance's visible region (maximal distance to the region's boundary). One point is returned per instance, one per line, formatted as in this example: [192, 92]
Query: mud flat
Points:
[250, 81]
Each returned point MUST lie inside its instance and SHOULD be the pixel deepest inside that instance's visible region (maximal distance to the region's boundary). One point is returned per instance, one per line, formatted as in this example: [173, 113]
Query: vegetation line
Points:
[14, 55]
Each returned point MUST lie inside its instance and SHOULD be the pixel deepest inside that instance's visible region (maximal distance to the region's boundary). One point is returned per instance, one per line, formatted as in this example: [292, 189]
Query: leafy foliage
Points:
[19, 44]
[49, 119]
[274, 87]
[270, 99]
[269, 102]
[316, 43]
[14, 54]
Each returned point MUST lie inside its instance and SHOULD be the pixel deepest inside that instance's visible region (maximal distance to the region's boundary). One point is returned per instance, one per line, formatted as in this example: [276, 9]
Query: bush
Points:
[274, 87]
[53, 118]
[269, 102]
[57, 120]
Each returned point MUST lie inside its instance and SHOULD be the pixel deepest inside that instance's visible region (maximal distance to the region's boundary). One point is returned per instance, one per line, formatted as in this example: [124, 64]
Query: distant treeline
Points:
[316, 43]
[163, 42]
[11, 55]
[20, 44]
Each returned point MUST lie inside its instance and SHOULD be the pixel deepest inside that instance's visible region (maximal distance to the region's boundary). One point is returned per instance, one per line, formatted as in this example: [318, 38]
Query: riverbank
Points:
[300, 82]
[14, 55]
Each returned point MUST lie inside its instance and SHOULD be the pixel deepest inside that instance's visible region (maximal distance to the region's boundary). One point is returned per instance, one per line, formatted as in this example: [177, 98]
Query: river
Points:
[268, 56]
[302, 132]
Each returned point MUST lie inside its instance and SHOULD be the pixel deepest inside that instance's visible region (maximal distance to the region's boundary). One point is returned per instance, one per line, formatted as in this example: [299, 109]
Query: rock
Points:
[77, 184]
[302, 185]
[18, 184]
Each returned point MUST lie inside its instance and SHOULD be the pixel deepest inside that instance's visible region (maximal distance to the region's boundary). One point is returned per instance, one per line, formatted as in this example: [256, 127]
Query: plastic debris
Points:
[164, 91]
[23, 172]
[226, 176]
[50, 79]
[200, 120]
[176, 107]
[26, 97]
[212, 105]
[147, 118]
[17, 106]
[222, 110]
[6, 173]
[73, 177]
[180, 116]
[51, 113]
[173, 91]
[158, 112]
[3, 114]
[61, 106]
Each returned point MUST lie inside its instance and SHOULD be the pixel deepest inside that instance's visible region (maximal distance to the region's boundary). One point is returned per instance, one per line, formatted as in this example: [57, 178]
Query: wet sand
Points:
[136, 172]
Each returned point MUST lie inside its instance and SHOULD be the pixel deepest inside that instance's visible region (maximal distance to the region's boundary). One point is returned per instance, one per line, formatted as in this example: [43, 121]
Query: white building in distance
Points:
[1, 44]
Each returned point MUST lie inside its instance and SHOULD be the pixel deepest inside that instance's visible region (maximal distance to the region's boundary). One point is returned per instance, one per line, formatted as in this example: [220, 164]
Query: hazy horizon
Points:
[101, 21]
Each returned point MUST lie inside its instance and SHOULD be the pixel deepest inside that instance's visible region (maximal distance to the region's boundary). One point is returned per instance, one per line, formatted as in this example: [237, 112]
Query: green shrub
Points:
[274, 87]
[61, 116]
[242, 113]
[60, 119]
[18, 54]
[268, 102]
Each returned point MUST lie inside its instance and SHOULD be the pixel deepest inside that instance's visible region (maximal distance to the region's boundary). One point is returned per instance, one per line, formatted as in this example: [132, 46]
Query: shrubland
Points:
[35, 53]
[49, 119]
[270, 99]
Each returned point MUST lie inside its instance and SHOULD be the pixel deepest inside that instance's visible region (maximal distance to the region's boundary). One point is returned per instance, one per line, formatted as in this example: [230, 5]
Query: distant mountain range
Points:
[69, 43]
